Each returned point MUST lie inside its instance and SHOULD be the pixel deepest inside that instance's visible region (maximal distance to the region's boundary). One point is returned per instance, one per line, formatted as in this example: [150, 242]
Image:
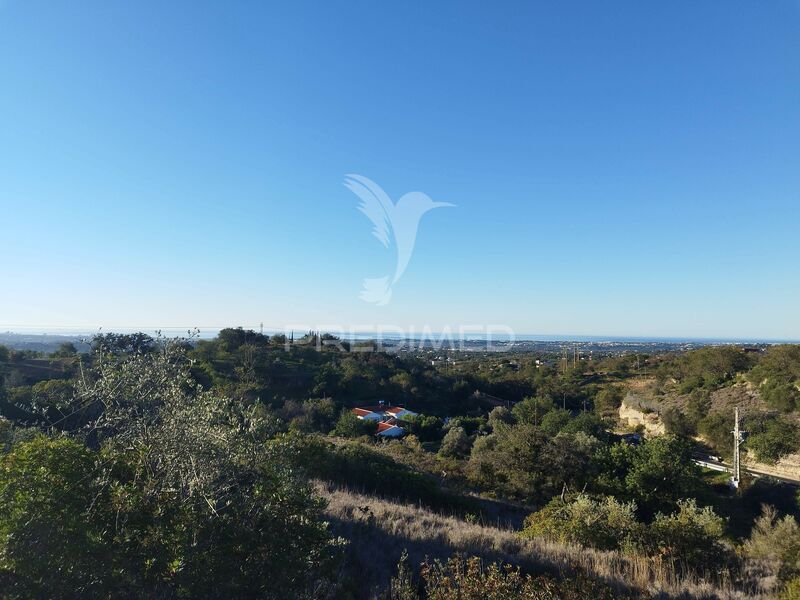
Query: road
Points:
[706, 462]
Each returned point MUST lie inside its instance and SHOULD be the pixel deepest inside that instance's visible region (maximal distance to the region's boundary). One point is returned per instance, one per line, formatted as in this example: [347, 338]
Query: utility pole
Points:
[738, 438]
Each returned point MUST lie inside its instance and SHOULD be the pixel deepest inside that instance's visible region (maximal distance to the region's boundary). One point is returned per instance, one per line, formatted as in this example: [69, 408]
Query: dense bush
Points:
[690, 538]
[184, 499]
[500, 416]
[606, 523]
[779, 361]
[608, 400]
[776, 542]
[697, 408]
[773, 438]
[356, 465]
[709, 367]
[313, 415]
[48, 543]
[554, 421]
[677, 423]
[350, 426]
[456, 444]
[777, 376]
[716, 429]
[86, 525]
[470, 579]
[524, 462]
[531, 410]
[588, 423]
[427, 428]
[470, 425]
[655, 475]
[781, 393]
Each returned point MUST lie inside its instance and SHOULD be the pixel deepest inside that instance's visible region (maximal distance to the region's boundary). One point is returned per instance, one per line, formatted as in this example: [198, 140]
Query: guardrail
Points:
[718, 466]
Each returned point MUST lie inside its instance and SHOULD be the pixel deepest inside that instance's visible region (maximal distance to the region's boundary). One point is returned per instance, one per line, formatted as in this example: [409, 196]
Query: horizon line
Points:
[76, 331]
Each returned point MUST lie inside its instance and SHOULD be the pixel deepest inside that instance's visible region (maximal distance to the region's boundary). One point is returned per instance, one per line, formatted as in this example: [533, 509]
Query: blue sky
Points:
[620, 168]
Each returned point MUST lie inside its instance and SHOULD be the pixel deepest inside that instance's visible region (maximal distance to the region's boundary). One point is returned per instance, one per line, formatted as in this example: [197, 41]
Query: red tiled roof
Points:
[361, 411]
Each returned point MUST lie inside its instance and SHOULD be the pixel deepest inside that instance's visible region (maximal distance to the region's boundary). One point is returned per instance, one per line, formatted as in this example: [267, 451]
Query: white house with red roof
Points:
[367, 414]
[399, 412]
[386, 416]
[389, 430]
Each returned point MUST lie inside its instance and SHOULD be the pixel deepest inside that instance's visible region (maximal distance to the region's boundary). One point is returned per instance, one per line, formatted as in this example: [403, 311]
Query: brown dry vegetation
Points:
[379, 530]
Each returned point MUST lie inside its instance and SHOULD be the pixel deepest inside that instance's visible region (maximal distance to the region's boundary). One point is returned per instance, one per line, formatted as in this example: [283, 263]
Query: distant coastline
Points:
[46, 338]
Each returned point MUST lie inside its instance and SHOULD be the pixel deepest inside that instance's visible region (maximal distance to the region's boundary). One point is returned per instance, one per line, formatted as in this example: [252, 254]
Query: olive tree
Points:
[201, 505]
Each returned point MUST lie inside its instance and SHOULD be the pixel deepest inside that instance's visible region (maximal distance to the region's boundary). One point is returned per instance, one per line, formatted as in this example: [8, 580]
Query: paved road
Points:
[707, 463]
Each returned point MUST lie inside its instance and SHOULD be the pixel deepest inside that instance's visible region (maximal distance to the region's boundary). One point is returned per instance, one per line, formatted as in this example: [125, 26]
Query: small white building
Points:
[389, 430]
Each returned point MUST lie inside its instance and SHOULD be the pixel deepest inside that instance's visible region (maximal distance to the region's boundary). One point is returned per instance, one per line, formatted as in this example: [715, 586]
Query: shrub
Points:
[709, 367]
[531, 410]
[185, 498]
[313, 415]
[509, 461]
[791, 591]
[654, 475]
[716, 428]
[606, 523]
[500, 416]
[677, 423]
[356, 465]
[469, 579]
[697, 407]
[777, 375]
[779, 361]
[555, 421]
[349, 425]
[588, 423]
[690, 538]
[661, 474]
[781, 393]
[608, 400]
[47, 541]
[427, 428]
[470, 425]
[779, 437]
[776, 542]
[456, 444]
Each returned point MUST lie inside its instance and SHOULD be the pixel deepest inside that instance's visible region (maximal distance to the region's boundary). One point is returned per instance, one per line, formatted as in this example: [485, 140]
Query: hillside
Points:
[251, 444]
[643, 392]
[379, 530]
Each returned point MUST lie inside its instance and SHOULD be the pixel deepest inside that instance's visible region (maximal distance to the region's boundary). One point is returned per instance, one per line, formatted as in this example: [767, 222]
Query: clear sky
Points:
[619, 168]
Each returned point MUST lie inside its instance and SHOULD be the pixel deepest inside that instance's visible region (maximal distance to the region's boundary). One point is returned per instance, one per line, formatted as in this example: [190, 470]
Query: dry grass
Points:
[380, 529]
